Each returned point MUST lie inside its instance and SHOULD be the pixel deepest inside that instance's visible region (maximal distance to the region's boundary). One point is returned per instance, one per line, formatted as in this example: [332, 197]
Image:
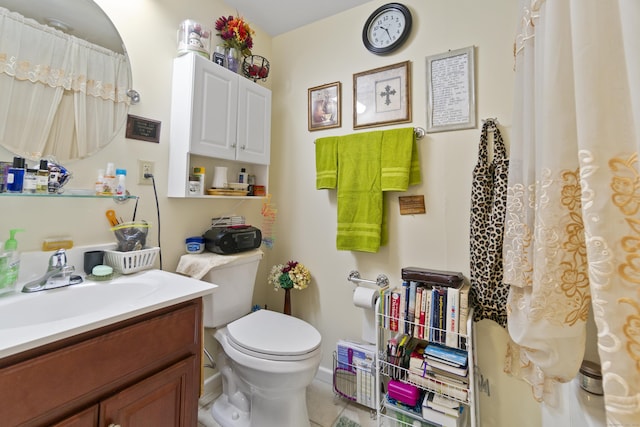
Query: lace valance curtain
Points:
[61, 95]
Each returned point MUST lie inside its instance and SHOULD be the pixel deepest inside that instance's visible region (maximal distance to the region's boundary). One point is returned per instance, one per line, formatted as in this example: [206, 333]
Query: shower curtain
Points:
[572, 229]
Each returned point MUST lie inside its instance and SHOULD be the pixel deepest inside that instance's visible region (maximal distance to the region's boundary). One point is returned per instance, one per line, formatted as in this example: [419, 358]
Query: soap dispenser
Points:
[11, 266]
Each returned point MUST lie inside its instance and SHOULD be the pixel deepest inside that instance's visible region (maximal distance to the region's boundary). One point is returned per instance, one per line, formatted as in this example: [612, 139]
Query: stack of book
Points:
[443, 411]
[440, 368]
[433, 311]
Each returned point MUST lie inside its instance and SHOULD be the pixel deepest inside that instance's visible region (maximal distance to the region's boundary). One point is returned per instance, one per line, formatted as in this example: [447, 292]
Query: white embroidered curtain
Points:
[60, 95]
[572, 238]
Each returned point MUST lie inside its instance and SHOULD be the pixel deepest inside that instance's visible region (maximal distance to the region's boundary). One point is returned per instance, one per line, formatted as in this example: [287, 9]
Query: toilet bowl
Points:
[273, 358]
[266, 359]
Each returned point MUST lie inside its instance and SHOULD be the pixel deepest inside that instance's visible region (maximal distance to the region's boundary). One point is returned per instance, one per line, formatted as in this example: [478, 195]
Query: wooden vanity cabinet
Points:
[143, 371]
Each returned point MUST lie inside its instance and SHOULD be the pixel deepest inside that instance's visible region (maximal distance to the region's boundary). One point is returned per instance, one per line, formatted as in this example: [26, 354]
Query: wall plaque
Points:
[410, 205]
[142, 129]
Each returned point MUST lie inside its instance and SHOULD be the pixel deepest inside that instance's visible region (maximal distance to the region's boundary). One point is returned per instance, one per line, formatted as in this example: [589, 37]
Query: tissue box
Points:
[403, 392]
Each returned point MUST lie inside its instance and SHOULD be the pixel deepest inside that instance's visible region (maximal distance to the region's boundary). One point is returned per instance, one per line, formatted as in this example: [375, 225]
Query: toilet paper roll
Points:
[365, 297]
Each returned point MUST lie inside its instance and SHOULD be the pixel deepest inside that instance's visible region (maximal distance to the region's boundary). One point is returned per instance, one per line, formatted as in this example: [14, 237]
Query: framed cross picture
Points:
[382, 96]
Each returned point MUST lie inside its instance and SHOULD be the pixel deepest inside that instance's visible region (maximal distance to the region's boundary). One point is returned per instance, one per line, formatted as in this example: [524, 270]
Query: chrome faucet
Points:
[58, 274]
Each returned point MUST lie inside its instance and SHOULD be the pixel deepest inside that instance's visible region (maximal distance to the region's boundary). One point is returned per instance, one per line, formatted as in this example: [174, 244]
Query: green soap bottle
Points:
[12, 263]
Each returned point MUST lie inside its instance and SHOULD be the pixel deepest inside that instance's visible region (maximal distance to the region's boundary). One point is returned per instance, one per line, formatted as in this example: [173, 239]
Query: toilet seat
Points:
[274, 336]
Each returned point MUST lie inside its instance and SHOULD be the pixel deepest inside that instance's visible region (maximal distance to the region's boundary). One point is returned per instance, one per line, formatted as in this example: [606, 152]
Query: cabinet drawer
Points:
[39, 390]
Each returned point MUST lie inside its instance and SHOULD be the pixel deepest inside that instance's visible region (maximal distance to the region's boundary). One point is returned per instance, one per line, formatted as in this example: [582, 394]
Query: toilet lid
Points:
[275, 336]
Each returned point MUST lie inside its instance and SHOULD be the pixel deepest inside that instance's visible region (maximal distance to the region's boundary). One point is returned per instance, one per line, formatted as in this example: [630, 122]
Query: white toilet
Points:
[268, 358]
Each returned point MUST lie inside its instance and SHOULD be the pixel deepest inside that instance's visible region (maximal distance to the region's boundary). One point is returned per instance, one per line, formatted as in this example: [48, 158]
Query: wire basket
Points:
[132, 261]
[255, 67]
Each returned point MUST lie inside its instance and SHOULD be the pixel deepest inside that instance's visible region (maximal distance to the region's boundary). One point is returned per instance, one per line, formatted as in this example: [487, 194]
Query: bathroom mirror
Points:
[90, 104]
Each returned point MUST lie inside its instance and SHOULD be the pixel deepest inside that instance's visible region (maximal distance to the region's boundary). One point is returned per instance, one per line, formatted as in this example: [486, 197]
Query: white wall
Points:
[327, 51]
[332, 50]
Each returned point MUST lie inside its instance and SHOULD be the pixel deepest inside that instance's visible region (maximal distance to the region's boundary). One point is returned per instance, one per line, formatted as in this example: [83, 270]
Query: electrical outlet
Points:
[144, 167]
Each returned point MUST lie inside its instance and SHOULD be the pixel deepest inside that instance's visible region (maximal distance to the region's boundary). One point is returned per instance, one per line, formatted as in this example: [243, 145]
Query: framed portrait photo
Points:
[382, 96]
[451, 91]
[324, 110]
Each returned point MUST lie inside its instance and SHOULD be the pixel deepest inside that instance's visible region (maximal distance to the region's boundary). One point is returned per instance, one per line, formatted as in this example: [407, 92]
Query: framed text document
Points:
[451, 91]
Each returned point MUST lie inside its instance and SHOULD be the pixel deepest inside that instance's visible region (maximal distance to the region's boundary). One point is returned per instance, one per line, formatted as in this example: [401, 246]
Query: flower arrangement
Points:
[290, 275]
[236, 33]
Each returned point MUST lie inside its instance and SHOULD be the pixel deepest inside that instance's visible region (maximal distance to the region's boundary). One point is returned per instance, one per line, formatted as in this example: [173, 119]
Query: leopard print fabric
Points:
[488, 208]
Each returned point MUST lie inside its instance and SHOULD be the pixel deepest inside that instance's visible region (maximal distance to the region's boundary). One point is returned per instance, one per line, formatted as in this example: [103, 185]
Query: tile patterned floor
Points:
[325, 408]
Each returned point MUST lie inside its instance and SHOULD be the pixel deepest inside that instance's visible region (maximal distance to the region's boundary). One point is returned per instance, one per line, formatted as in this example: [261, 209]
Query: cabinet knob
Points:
[242, 147]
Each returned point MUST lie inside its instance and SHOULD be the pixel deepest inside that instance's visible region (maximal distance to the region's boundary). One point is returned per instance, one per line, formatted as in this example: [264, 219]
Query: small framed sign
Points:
[142, 129]
[451, 91]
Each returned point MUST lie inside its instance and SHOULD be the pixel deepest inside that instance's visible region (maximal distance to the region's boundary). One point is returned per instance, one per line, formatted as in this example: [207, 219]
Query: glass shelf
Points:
[69, 193]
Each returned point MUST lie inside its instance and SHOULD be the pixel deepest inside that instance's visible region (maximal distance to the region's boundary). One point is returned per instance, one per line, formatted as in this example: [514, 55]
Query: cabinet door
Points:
[86, 418]
[166, 399]
[254, 123]
[215, 110]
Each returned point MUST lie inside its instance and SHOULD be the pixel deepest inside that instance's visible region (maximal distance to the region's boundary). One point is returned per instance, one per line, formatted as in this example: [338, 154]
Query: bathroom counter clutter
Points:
[32, 320]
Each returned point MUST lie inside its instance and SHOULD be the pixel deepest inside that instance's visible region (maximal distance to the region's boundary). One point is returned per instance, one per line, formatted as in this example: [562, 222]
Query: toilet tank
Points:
[235, 276]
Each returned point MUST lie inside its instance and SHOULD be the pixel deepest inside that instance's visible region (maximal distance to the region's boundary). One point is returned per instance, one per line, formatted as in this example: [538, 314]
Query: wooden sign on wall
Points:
[411, 205]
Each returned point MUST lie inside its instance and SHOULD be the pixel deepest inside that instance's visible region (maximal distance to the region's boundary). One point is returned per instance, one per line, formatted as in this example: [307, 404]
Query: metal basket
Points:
[132, 261]
[255, 67]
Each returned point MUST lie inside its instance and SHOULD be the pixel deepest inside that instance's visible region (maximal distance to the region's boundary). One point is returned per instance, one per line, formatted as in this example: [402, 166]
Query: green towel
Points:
[326, 162]
[399, 160]
[363, 166]
[360, 200]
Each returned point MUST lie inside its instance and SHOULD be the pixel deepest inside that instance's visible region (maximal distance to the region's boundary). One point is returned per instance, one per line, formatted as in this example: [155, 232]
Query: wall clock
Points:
[387, 28]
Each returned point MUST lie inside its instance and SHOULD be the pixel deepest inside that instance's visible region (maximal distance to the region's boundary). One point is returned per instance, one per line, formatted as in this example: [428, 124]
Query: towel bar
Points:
[381, 280]
[420, 133]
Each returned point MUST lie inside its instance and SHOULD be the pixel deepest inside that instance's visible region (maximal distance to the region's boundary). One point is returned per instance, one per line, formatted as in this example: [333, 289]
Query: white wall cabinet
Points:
[218, 118]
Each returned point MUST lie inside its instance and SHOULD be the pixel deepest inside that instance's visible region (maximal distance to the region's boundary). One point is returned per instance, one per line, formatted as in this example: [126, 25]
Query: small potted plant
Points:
[292, 275]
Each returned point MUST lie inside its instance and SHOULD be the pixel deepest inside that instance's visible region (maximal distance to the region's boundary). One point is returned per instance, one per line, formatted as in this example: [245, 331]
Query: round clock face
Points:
[387, 28]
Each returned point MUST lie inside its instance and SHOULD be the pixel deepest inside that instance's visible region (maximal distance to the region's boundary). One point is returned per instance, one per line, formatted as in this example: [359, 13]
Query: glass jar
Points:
[194, 37]
[233, 59]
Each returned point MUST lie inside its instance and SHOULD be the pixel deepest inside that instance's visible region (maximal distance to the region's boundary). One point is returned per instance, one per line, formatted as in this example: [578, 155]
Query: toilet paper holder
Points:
[381, 281]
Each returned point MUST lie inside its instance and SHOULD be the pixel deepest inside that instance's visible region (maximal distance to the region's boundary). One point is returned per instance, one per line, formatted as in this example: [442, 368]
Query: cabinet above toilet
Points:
[218, 118]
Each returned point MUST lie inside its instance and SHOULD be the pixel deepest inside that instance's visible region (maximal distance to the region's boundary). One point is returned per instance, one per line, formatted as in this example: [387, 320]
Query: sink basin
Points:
[31, 320]
[71, 301]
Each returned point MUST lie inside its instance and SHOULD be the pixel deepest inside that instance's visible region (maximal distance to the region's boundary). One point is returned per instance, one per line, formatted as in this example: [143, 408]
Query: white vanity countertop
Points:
[30, 320]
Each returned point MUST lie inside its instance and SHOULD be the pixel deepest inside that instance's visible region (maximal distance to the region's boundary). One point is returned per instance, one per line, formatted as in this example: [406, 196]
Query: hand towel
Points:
[198, 265]
[326, 162]
[360, 199]
[400, 164]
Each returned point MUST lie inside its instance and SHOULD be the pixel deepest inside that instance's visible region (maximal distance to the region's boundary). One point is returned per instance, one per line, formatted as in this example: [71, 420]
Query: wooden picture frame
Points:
[451, 102]
[324, 106]
[382, 96]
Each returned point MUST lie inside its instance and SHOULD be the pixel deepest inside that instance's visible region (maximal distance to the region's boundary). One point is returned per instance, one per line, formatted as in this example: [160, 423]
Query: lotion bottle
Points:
[121, 186]
[12, 265]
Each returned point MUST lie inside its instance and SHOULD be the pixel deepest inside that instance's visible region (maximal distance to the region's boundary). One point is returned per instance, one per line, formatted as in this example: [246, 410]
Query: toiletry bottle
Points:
[42, 177]
[15, 176]
[100, 182]
[53, 185]
[109, 179]
[12, 259]
[30, 181]
[198, 173]
[242, 177]
[121, 186]
[4, 171]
